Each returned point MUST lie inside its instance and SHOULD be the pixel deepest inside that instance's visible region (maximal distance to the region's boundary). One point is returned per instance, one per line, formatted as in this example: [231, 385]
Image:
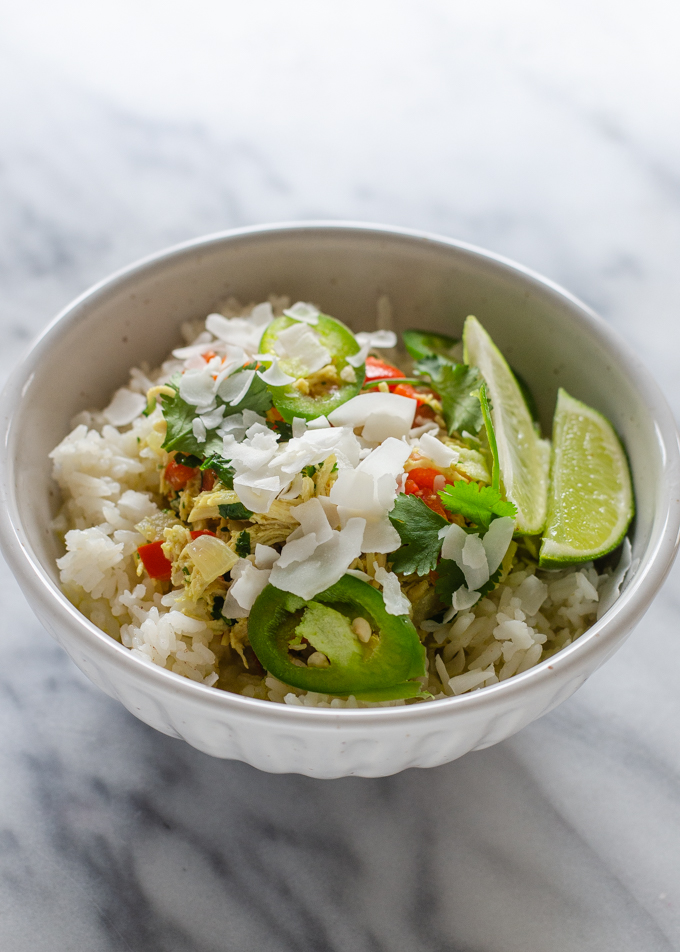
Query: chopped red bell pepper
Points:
[178, 475]
[155, 562]
[200, 532]
[420, 482]
[380, 370]
[208, 480]
[406, 390]
[422, 477]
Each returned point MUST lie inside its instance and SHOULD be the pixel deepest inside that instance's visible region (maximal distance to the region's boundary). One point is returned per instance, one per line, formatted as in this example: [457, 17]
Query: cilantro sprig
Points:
[418, 527]
[455, 384]
[476, 503]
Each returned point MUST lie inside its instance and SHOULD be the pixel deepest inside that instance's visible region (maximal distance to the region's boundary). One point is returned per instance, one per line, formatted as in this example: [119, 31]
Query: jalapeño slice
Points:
[284, 630]
[324, 396]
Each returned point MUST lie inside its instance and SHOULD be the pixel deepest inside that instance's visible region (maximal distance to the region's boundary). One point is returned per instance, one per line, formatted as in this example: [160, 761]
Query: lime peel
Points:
[524, 458]
[591, 495]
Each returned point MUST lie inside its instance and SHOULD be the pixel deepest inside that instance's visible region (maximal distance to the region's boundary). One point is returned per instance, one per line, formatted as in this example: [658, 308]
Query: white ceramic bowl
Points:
[550, 337]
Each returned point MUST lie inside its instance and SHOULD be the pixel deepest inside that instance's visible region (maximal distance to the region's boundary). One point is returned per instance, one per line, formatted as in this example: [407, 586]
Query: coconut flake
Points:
[497, 540]
[247, 585]
[257, 491]
[199, 346]
[212, 418]
[428, 427]
[331, 511]
[197, 387]
[312, 518]
[299, 342]
[306, 313]
[297, 550]
[379, 340]
[396, 603]
[318, 423]
[454, 539]
[463, 599]
[388, 458]
[255, 451]
[245, 332]
[357, 492]
[371, 341]
[314, 446]
[325, 566]
[437, 451]
[233, 426]
[198, 429]
[275, 376]
[262, 314]
[380, 536]
[385, 414]
[125, 407]
[357, 573]
[473, 562]
[532, 593]
[265, 556]
[356, 360]
[299, 427]
[233, 389]
[294, 489]
[235, 357]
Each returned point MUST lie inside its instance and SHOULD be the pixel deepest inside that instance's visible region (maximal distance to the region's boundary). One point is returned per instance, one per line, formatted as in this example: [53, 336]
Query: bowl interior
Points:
[550, 338]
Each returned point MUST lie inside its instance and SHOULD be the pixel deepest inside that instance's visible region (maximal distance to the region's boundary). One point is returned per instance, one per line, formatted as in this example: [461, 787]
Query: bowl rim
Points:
[632, 603]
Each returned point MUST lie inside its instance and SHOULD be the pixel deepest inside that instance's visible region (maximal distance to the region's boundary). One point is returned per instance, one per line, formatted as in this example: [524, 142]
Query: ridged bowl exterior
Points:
[548, 336]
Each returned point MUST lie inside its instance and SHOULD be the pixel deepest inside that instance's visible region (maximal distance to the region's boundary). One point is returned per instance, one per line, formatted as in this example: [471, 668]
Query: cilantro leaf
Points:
[184, 460]
[455, 384]
[218, 464]
[418, 528]
[242, 546]
[477, 503]
[216, 610]
[234, 510]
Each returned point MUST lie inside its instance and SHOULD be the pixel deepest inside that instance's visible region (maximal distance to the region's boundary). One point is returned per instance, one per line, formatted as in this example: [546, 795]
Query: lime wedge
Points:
[523, 457]
[591, 497]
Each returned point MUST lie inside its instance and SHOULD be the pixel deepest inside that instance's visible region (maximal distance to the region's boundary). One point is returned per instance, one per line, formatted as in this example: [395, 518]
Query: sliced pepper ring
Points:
[341, 344]
[393, 655]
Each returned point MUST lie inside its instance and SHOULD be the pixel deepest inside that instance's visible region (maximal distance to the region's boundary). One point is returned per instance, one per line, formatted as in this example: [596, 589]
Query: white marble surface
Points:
[547, 132]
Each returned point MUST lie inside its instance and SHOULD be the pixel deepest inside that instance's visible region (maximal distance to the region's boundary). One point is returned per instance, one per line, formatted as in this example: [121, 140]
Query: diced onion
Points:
[211, 556]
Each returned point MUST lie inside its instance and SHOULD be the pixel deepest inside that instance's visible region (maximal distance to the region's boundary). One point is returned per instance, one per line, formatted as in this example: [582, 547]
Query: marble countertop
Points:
[547, 134]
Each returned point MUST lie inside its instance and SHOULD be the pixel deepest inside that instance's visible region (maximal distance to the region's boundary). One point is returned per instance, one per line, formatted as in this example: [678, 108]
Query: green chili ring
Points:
[340, 343]
[393, 656]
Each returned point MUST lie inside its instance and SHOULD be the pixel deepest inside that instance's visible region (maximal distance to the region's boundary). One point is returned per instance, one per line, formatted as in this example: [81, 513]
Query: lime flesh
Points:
[591, 497]
[523, 457]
